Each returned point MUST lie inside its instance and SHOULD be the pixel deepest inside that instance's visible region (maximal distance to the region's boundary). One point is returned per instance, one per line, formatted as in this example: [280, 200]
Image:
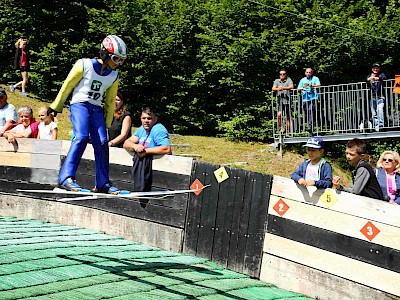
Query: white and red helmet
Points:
[113, 48]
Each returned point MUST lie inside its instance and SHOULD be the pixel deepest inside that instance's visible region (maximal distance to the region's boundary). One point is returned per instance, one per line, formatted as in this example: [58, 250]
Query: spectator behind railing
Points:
[343, 109]
[47, 129]
[23, 129]
[364, 182]
[378, 101]
[388, 176]
[282, 87]
[308, 86]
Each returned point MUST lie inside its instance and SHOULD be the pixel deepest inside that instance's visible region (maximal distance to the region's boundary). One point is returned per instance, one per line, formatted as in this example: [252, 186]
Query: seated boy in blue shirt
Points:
[314, 171]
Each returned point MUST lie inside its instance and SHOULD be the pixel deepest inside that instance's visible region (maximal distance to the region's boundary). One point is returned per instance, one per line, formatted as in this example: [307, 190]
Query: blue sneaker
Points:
[24, 94]
[12, 88]
[70, 184]
[108, 189]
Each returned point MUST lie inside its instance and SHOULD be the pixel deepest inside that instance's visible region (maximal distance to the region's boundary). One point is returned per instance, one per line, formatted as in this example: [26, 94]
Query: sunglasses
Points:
[117, 59]
[388, 159]
[282, 73]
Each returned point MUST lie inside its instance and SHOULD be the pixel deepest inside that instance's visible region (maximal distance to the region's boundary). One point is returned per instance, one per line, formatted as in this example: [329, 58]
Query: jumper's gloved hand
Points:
[50, 110]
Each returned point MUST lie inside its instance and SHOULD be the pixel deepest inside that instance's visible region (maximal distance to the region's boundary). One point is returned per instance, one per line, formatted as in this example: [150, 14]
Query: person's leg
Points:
[286, 110]
[24, 81]
[373, 112]
[305, 111]
[380, 105]
[280, 120]
[310, 114]
[98, 135]
[80, 122]
[13, 87]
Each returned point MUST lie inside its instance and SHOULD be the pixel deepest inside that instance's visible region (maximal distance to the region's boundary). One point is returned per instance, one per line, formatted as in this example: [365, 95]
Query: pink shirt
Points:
[23, 58]
[391, 186]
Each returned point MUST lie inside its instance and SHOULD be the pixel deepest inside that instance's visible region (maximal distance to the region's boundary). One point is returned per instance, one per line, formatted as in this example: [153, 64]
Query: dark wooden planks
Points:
[344, 245]
[194, 211]
[234, 262]
[208, 211]
[223, 226]
[255, 231]
[226, 225]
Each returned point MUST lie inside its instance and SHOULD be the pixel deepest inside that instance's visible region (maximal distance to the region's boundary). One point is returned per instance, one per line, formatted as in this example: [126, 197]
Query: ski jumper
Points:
[88, 116]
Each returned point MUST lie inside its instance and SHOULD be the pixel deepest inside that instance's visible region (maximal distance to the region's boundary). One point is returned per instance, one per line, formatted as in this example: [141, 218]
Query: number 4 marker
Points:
[221, 174]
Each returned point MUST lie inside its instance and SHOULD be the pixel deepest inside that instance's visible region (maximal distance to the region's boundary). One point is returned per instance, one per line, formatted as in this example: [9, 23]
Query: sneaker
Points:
[12, 88]
[24, 94]
[70, 184]
[107, 189]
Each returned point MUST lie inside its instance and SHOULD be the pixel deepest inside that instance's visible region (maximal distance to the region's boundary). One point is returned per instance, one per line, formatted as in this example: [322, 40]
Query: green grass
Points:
[250, 156]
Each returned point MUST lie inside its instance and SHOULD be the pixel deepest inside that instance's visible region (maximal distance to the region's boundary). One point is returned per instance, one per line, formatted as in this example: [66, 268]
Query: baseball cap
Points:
[314, 142]
[2, 91]
[376, 65]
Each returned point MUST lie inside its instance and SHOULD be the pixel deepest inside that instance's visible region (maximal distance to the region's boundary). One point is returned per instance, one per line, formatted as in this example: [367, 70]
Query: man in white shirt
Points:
[8, 114]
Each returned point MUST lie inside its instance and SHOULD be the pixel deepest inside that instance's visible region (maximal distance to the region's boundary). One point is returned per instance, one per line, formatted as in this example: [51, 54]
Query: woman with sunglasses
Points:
[387, 173]
[91, 81]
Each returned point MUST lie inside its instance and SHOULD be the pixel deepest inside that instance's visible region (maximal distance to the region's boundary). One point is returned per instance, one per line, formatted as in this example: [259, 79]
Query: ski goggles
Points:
[118, 60]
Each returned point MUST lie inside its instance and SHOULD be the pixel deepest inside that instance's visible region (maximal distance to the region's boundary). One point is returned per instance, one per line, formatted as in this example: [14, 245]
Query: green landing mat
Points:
[40, 260]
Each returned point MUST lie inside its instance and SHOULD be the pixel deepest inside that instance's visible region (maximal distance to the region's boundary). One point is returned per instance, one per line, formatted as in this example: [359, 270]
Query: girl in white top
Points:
[22, 130]
[47, 128]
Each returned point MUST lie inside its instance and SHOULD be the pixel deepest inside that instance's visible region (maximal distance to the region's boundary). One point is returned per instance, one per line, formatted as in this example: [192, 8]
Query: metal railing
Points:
[340, 109]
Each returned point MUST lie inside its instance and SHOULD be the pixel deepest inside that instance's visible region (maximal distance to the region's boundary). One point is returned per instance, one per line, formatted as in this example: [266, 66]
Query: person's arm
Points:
[297, 175]
[326, 177]
[38, 134]
[301, 85]
[315, 83]
[290, 85]
[126, 127]
[9, 136]
[25, 134]
[54, 133]
[5, 127]
[17, 58]
[132, 144]
[161, 140]
[73, 78]
[360, 180]
[159, 150]
[109, 103]
[382, 76]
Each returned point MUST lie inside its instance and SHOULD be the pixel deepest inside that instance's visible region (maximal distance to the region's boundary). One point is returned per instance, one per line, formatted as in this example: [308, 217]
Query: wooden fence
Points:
[331, 245]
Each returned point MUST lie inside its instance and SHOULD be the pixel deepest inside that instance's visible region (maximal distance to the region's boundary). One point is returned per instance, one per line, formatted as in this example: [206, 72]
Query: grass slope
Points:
[249, 156]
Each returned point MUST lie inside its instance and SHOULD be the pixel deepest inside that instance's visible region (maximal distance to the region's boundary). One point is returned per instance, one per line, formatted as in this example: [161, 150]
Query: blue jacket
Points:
[381, 176]
[325, 174]
[376, 86]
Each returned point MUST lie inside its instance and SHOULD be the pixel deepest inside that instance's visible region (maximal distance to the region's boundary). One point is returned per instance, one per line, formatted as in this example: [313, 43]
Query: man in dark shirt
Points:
[377, 100]
[282, 87]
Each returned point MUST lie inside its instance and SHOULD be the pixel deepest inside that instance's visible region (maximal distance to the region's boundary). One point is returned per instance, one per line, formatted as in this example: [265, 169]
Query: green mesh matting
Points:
[40, 260]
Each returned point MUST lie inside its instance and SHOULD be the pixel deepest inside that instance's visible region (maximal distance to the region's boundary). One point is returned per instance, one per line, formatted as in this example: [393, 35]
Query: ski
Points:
[87, 194]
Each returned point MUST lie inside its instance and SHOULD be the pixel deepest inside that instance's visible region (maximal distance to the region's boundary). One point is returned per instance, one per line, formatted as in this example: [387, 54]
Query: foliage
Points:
[206, 65]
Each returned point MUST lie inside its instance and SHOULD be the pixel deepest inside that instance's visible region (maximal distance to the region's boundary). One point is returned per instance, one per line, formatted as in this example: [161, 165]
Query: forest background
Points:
[206, 65]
